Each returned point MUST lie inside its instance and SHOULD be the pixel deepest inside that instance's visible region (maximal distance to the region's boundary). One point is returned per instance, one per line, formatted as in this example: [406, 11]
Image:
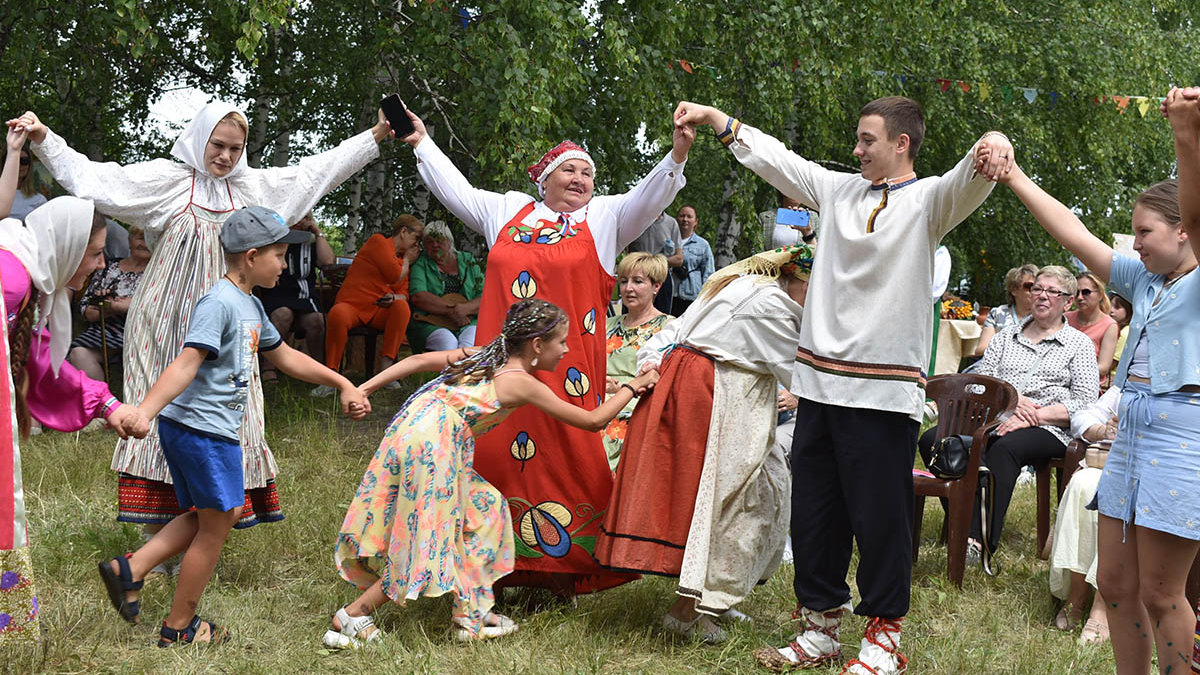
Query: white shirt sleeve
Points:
[630, 213]
[143, 194]
[806, 182]
[478, 209]
[294, 190]
[1104, 409]
[957, 194]
[652, 350]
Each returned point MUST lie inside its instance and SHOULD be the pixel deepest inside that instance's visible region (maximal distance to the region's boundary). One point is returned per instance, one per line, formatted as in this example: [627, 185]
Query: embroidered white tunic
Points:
[866, 336]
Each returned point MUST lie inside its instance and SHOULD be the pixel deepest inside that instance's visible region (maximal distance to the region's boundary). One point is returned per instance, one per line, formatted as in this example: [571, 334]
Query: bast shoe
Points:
[701, 628]
[494, 626]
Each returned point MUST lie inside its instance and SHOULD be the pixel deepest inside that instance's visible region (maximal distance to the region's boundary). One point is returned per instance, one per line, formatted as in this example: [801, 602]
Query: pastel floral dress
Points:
[622, 345]
[423, 520]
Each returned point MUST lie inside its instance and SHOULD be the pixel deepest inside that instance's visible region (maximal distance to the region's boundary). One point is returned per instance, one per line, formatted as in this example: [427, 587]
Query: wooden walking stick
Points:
[103, 340]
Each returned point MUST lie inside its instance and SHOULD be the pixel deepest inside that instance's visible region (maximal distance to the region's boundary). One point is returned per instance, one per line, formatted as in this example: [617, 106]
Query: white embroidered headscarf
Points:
[51, 246]
[189, 147]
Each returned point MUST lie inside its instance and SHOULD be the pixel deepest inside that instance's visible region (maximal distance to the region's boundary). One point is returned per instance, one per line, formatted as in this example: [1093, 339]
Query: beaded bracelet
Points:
[631, 390]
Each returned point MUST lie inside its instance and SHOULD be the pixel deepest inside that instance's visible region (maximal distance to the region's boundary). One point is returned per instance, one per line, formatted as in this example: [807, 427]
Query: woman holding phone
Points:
[560, 246]
[181, 206]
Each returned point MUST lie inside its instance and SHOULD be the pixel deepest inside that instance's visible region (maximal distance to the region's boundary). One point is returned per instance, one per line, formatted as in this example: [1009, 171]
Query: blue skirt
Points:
[1152, 476]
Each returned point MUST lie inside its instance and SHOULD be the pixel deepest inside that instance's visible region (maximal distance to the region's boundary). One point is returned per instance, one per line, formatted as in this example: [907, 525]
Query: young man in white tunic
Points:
[864, 344]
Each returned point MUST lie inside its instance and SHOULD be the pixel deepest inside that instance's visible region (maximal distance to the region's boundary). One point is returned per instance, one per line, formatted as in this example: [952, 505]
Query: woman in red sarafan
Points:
[562, 249]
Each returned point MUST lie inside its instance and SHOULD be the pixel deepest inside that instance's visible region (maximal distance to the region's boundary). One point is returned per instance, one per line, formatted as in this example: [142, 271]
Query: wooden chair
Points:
[1063, 469]
[967, 404]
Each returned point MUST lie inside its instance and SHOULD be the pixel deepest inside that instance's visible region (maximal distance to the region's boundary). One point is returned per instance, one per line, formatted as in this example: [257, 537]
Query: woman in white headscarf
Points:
[63, 244]
[181, 206]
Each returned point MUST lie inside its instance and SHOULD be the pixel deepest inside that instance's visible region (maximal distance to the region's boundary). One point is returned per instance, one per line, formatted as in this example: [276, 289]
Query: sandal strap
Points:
[126, 574]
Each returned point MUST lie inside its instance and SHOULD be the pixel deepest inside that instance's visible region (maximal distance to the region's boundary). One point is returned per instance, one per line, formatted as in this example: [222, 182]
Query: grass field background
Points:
[276, 587]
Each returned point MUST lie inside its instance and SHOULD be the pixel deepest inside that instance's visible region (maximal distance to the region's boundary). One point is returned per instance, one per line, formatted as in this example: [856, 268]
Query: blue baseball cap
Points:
[256, 227]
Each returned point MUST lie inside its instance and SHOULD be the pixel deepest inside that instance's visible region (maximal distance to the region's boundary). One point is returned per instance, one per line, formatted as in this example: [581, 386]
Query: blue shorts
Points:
[207, 470]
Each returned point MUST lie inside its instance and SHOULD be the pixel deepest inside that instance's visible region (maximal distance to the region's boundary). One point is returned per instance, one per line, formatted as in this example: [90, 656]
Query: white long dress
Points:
[743, 502]
[182, 208]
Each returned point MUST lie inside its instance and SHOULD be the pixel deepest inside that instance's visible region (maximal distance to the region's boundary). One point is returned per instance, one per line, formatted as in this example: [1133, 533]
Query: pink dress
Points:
[65, 403]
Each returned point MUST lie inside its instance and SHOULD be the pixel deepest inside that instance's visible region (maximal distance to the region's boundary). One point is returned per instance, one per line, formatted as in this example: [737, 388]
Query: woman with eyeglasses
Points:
[1053, 368]
[1017, 283]
[1149, 495]
[1091, 318]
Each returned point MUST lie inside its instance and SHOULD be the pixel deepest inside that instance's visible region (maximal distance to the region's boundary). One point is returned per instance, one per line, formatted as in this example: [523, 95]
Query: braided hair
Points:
[526, 320]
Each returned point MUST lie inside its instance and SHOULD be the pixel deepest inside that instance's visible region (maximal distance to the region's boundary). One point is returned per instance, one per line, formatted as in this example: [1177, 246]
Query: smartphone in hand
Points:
[397, 115]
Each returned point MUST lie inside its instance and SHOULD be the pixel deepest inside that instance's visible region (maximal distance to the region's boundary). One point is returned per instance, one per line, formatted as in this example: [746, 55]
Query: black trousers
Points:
[852, 483]
[679, 306]
[1005, 456]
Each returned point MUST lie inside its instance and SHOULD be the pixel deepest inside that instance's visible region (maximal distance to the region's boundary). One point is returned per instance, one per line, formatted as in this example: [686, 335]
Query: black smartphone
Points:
[397, 115]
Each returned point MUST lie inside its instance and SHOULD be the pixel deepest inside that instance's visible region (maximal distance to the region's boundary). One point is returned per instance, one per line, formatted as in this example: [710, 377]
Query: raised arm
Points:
[468, 203]
[12, 169]
[786, 171]
[292, 191]
[1182, 108]
[1061, 223]
[139, 194]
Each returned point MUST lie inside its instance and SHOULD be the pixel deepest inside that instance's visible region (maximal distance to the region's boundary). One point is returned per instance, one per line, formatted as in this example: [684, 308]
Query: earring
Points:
[533, 362]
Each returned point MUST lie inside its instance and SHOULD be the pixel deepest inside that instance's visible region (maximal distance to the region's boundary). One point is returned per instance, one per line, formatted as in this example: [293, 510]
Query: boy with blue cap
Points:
[201, 402]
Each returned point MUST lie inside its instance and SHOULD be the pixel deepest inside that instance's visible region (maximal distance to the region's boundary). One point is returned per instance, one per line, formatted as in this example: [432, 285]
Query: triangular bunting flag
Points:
[1143, 105]
[687, 67]
[1122, 103]
[1053, 98]
[1030, 93]
[943, 83]
[1007, 93]
[964, 86]
[984, 91]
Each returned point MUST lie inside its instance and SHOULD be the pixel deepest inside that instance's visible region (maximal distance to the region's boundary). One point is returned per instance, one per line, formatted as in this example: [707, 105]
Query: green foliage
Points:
[501, 82]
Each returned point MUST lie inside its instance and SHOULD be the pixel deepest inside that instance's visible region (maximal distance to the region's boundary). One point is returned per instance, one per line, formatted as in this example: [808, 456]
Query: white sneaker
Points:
[322, 391]
[1027, 476]
[356, 631]
[502, 626]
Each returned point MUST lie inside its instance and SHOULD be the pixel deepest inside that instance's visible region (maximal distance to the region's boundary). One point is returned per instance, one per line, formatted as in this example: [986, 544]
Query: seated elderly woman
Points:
[639, 278]
[111, 289]
[1017, 283]
[444, 287]
[1073, 554]
[375, 292]
[1053, 368]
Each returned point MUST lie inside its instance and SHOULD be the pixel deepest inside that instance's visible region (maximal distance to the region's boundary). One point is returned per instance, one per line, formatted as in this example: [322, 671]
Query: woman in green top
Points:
[444, 285]
[639, 276]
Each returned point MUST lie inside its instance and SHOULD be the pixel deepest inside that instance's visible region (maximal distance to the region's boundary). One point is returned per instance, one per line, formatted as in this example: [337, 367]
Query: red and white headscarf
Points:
[553, 159]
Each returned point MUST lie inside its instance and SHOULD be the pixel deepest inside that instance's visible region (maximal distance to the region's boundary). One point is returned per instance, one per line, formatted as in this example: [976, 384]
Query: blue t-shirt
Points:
[232, 327]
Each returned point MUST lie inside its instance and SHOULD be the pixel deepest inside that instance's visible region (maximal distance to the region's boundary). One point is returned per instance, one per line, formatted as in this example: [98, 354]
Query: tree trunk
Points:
[728, 227]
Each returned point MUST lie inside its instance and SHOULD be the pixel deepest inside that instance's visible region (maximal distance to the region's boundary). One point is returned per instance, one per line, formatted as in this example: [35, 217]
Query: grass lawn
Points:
[276, 587]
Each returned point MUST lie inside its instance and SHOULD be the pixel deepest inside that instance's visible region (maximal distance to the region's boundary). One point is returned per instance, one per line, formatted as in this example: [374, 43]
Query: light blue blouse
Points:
[1172, 326]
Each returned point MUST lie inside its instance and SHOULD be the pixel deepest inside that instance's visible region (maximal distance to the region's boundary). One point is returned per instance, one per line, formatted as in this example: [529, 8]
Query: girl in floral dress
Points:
[423, 522]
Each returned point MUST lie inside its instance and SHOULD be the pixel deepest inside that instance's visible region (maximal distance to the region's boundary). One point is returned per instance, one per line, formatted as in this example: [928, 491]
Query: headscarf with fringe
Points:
[787, 261]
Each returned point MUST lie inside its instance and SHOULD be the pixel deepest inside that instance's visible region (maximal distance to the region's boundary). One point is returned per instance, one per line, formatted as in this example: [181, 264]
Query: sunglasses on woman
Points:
[1084, 292]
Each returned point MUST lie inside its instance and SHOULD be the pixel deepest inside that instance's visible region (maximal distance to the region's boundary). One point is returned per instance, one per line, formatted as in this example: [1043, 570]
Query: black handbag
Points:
[948, 457]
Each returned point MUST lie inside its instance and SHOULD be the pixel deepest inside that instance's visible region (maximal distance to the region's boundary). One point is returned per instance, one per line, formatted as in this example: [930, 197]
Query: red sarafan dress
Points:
[555, 478]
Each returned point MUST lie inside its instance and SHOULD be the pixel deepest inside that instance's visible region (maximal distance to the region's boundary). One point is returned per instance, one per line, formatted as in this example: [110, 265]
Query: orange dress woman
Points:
[561, 249]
